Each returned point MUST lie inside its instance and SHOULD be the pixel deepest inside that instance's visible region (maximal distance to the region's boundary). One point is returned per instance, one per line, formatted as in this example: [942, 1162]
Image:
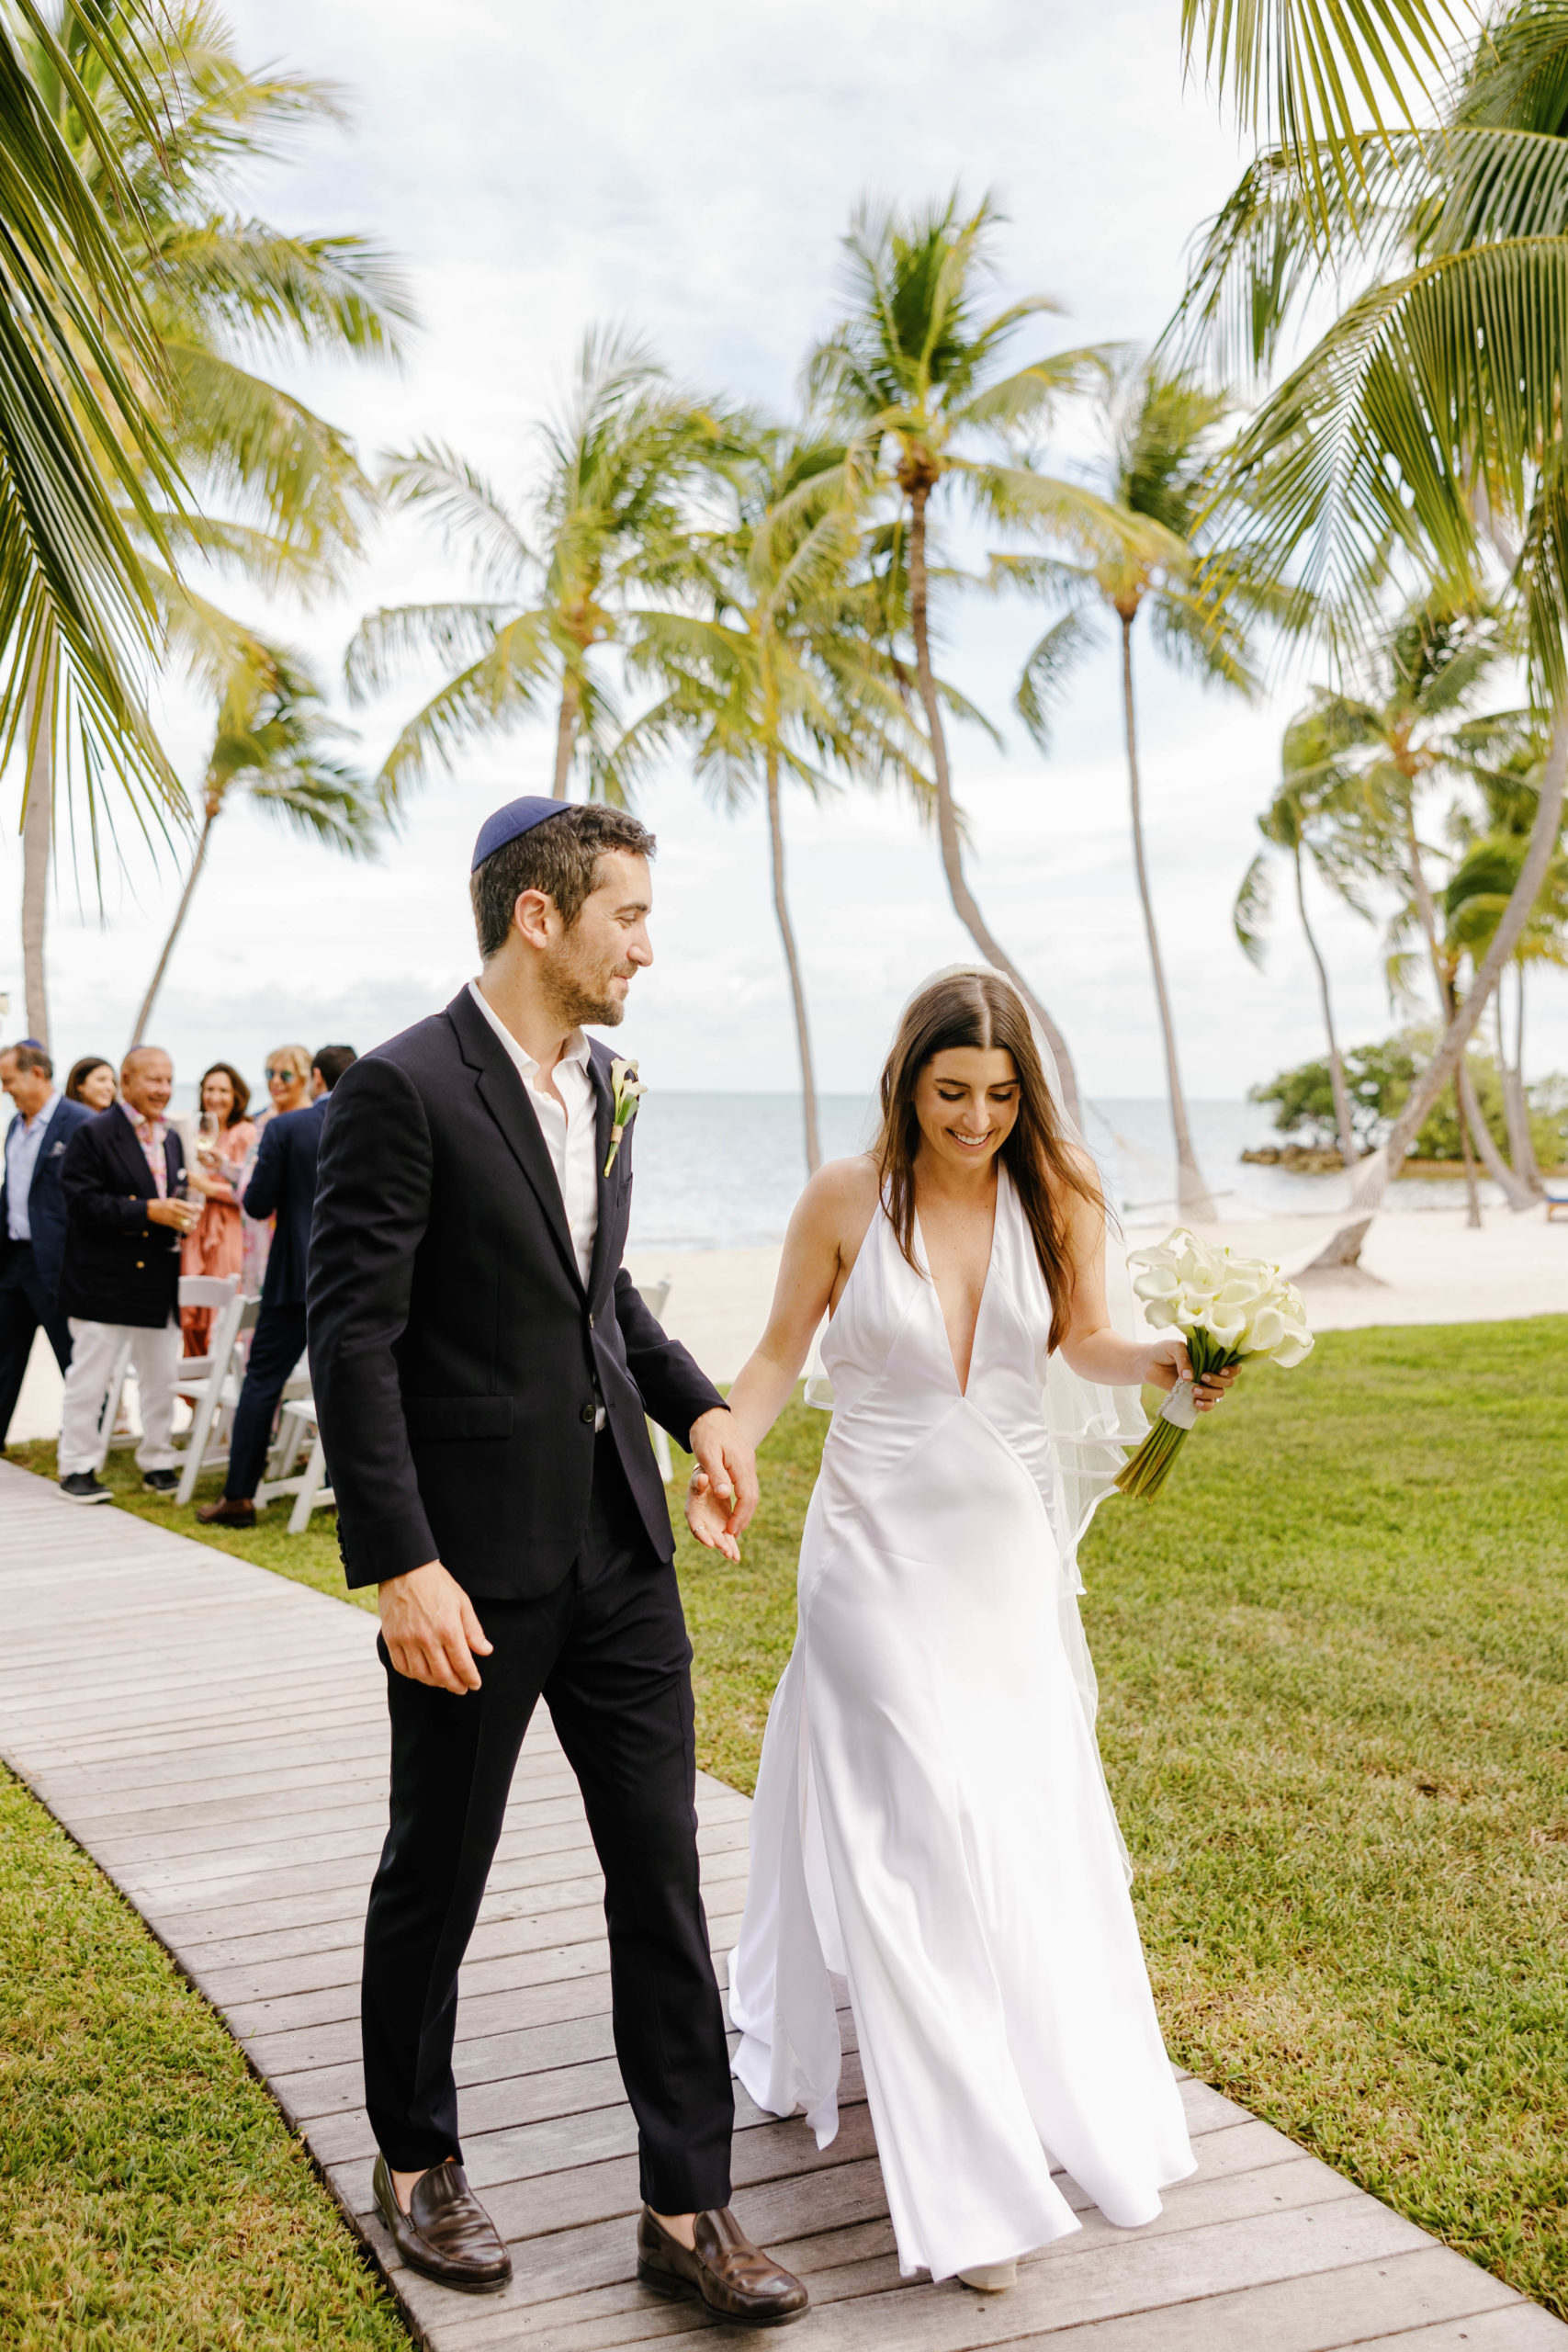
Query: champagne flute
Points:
[207, 1135]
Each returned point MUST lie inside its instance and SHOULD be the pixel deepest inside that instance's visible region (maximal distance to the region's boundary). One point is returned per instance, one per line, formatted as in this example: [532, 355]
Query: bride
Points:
[931, 1818]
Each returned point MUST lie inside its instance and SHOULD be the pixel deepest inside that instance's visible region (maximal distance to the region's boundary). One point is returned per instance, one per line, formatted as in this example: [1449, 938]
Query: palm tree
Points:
[1476, 896]
[607, 532]
[275, 744]
[1421, 434]
[1381, 751]
[911, 375]
[1312, 816]
[83, 456]
[784, 676]
[267, 486]
[1159, 431]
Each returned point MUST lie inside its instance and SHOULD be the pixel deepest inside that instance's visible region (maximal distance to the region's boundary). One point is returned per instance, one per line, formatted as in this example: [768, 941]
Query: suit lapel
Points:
[125, 1147]
[501, 1092]
[603, 1108]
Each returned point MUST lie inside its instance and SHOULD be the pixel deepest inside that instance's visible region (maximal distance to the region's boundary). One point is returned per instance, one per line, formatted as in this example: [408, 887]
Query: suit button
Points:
[590, 1413]
[139, 1268]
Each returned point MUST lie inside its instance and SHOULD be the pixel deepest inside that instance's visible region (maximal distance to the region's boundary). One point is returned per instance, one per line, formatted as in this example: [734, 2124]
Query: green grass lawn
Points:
[151, 2193]
[1334, 1667]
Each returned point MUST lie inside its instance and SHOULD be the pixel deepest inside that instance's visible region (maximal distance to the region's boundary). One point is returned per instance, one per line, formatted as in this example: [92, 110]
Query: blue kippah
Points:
[518, 816]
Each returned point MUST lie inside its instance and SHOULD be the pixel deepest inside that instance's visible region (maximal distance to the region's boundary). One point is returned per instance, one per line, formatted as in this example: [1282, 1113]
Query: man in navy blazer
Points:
[282, 1185]
[127, 1210]
[32, 1217]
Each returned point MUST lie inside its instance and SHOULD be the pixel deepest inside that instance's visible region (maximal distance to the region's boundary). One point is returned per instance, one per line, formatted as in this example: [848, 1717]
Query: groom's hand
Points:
[726, 1472]
[431, 1632]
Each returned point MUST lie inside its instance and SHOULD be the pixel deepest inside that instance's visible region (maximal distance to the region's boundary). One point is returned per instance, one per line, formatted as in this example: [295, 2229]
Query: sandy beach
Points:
[1429, 1268]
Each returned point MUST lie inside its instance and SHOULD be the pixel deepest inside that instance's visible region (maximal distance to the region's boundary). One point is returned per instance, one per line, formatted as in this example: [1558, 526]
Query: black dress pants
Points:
[608, 1651]
[279, 1344]
[25, 1305]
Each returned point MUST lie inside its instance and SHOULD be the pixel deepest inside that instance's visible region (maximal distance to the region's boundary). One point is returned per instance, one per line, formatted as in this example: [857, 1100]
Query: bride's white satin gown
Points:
[930, 1820]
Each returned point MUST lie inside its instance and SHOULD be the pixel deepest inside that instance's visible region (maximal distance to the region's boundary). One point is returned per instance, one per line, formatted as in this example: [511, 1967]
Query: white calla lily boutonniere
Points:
[627, 1091]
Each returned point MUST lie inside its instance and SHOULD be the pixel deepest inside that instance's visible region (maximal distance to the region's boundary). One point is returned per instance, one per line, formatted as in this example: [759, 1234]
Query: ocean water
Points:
[722, 1172]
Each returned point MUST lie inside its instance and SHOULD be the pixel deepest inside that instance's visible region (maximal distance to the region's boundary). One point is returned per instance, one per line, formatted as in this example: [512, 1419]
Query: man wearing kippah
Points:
[483, 1367]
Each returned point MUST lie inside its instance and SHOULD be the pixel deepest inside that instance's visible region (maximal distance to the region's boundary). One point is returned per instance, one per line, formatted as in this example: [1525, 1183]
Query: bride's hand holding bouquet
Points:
[1222, 1310]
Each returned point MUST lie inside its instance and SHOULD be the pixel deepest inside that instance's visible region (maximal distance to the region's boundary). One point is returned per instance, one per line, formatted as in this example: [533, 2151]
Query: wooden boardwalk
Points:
[215, 1736]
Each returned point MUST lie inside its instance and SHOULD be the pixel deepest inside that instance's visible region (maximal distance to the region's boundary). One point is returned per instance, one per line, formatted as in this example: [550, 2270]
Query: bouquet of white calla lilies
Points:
[1227, 1309]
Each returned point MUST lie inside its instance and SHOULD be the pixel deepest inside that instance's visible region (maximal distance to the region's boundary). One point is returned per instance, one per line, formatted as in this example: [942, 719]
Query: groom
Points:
[481, 1365]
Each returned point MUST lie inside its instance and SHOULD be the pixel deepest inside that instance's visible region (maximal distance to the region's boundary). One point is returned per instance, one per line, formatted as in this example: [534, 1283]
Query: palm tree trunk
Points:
[958, 890]
[566, 732]
[1192, 1196]
[792, 957]
[1472, 1194]
[1473, 1126]
[1505, 940]
[38, 717]
[1347, 1133]
[1516, 1102]
[144, 1017]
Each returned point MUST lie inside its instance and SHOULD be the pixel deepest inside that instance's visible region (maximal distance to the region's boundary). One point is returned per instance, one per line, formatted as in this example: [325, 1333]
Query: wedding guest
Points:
[32, 1218]
[282, 1186]
[288, 1075]
[218, 1244]
[92, 1082]
[122, 1176]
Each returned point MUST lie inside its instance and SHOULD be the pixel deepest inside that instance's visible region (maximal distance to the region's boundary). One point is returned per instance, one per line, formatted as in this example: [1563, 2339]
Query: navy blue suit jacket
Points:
[46, 1202]
[282, 1185]
[120, 1267]
[457, 1358]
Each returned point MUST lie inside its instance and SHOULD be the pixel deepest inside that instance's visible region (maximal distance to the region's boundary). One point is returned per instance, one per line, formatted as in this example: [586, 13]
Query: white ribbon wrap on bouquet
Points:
[1180, 1407]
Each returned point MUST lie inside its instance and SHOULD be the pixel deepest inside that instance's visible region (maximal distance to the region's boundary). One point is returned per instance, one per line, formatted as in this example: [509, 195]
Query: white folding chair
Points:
[654, 1296]
[215, 1291]
[298, 1424]
[210, 1384]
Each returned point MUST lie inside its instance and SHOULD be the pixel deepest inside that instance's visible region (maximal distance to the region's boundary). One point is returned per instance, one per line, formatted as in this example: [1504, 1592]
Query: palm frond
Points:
[1047, 672]
[1306, 74]
[1253, 907]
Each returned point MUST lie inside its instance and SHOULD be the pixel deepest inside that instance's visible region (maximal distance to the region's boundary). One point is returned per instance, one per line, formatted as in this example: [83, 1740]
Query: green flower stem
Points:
[1146, 1471]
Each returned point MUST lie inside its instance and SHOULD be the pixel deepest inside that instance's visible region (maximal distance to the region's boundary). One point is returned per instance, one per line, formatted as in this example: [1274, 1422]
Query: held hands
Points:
[430, 1628]
[722, 1494]
[1168, 1361]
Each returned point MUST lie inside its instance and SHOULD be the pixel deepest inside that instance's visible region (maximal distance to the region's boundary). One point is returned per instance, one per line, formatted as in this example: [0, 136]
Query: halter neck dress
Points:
[930, 1820]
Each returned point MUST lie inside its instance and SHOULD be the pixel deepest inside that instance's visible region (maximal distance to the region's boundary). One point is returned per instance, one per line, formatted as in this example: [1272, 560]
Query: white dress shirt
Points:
[24, 1140]
[568, 1134]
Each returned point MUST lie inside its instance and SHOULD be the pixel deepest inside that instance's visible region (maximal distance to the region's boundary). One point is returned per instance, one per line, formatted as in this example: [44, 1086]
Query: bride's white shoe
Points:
[991, 2277]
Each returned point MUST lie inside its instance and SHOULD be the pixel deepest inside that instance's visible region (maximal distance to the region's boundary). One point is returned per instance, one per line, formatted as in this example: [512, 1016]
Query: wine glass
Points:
[207, 1135]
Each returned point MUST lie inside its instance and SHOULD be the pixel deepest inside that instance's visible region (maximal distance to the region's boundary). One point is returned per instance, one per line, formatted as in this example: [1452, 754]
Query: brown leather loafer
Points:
[445, 2233]
[227, 1514]
[732, 2276]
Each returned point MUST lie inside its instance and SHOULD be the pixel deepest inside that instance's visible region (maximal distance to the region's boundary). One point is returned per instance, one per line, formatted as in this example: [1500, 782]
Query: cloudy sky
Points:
[689, 169]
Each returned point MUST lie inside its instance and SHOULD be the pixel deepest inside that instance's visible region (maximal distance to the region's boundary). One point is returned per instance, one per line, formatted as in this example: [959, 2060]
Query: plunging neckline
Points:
[961, 1385]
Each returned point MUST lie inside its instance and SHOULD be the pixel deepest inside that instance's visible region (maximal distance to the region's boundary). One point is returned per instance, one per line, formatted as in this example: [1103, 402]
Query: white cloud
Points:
[690, 168]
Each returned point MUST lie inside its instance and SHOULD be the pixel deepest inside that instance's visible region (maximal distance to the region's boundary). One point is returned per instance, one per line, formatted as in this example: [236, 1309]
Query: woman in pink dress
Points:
[218, 1244]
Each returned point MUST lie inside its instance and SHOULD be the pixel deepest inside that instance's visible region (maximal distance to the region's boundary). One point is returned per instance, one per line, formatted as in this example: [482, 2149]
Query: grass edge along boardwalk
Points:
[1297, 2259]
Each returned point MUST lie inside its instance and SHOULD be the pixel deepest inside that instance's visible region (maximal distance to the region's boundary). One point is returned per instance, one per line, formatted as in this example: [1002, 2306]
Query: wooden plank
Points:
[1520, 2327]
[218, 1738]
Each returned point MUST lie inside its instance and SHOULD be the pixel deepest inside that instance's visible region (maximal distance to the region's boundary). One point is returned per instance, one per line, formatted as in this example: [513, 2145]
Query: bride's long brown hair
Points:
[982, 1009]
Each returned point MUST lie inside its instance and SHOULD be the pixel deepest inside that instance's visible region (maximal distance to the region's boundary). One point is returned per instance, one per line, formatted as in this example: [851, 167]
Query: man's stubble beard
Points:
[578, 996]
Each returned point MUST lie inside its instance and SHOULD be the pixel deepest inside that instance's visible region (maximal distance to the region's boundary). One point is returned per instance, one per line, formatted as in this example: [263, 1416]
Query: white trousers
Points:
[84, 1434]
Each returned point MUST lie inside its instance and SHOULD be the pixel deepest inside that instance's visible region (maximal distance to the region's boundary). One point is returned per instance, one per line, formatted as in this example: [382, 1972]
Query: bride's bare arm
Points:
[825, 1233]
[1092, 1346]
